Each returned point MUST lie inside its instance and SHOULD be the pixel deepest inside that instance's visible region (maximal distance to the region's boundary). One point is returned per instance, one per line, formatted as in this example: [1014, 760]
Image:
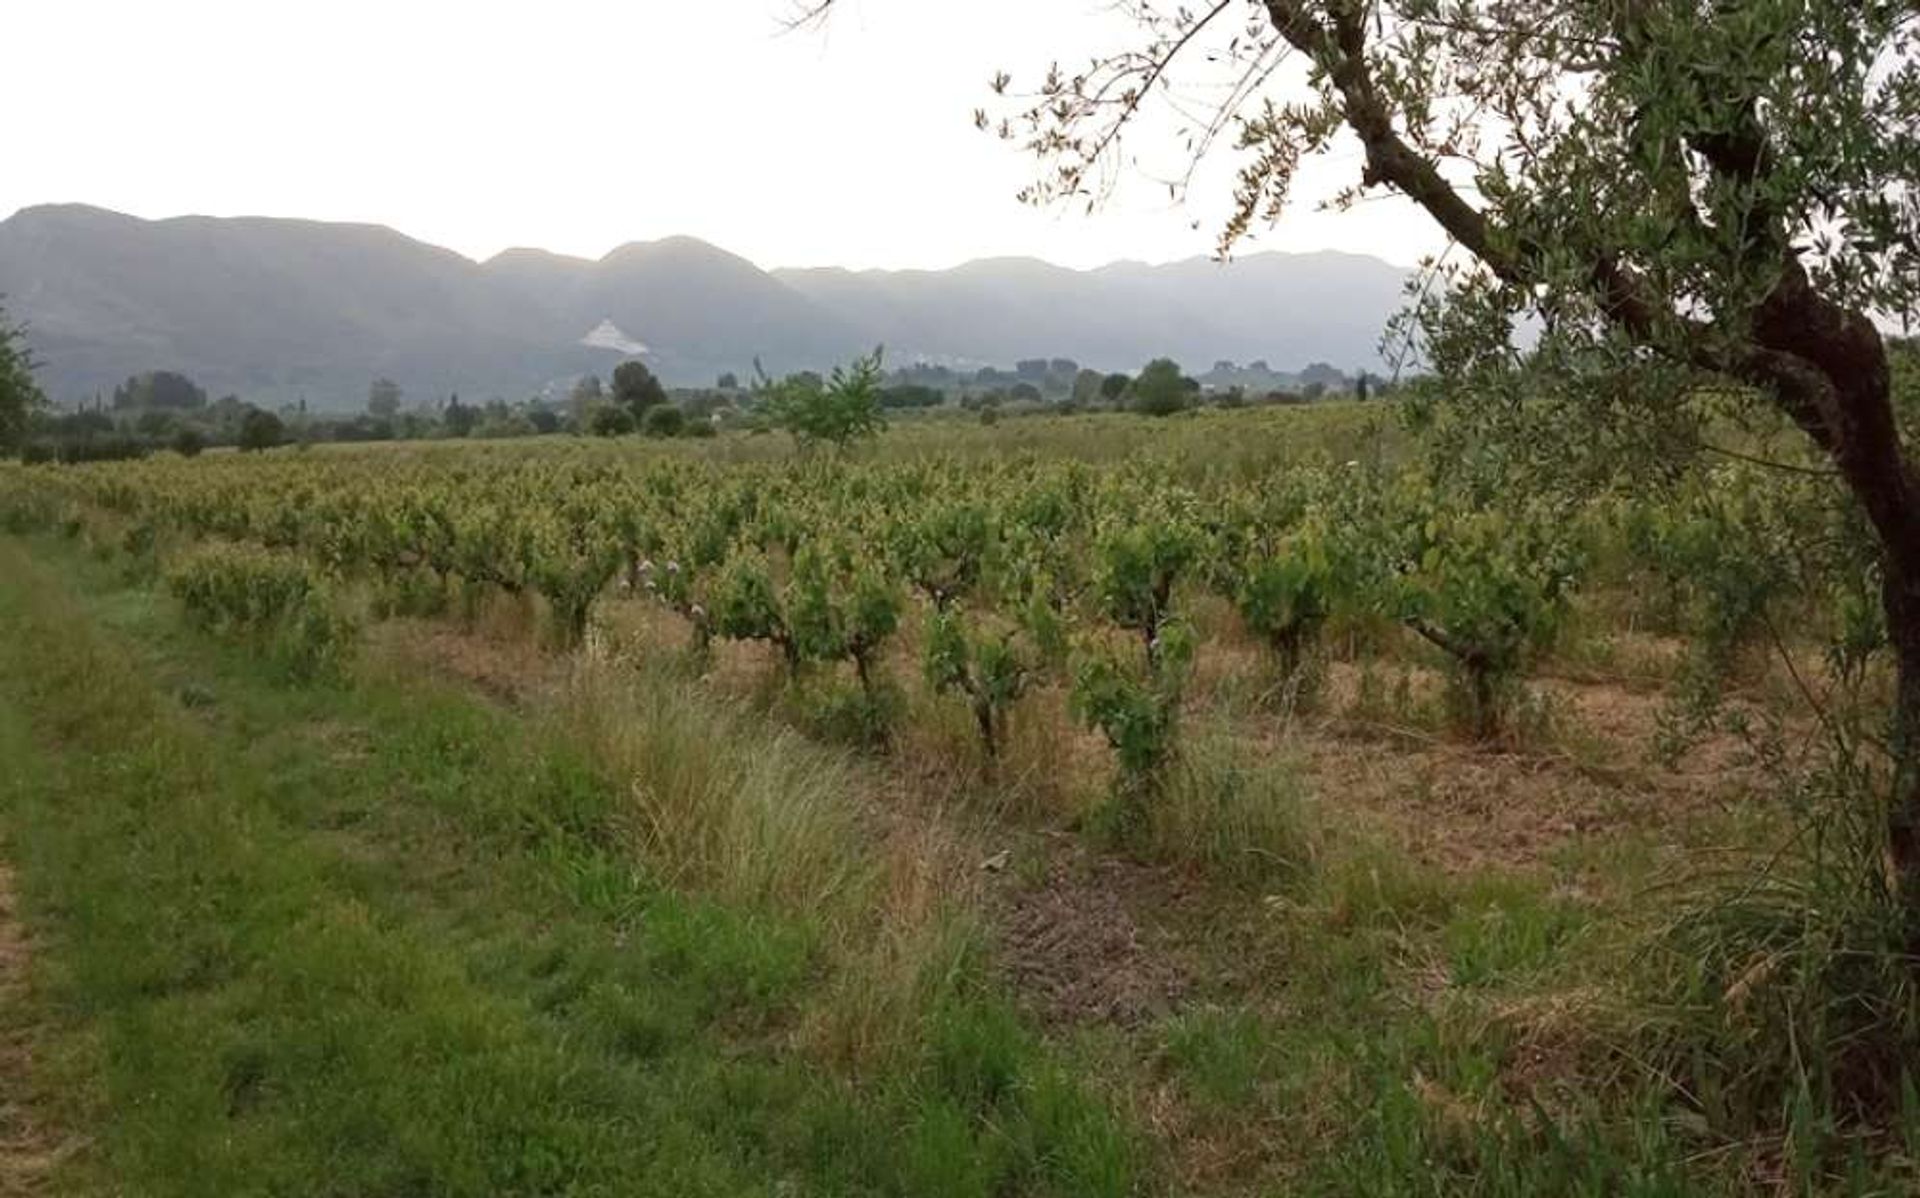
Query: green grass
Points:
[378, 938]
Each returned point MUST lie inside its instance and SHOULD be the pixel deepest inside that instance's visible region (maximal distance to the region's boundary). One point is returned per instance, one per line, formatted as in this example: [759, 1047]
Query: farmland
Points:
[1249, 802]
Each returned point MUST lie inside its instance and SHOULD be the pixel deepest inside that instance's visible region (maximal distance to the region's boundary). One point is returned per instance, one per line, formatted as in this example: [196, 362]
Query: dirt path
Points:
[27, 1152]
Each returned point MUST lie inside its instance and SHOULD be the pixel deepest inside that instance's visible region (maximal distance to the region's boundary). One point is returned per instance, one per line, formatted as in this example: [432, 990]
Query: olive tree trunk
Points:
[1827, 368]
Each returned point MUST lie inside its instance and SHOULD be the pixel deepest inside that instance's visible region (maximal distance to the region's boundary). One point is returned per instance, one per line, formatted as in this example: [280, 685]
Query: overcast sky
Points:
[577, 125]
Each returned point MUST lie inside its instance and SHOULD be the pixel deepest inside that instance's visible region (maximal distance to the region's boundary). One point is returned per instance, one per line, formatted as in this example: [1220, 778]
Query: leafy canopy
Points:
[637, 388]
[261, 430]
[1161, 390]
[836, 411]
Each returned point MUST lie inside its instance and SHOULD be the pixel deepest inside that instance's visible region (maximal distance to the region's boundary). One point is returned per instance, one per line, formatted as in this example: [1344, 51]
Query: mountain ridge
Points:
[277, 308]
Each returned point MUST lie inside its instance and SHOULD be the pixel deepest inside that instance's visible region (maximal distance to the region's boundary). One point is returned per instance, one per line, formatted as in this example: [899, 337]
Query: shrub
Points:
[271, 598]
[610, 422]
[664, 421]
[260, 430]
[836, 411]
[1286, 598]
[1489, 589]
[990, 670]
[188, 442]
[1136, 706]
[1160, 390]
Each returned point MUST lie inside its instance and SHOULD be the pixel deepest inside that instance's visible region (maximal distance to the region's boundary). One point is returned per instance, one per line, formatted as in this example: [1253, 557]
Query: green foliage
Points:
[636, 389]
[747, 606]
[569, 563]
[20, 396]
[271, 598]
[610, 421]
[1086, 388]
[1136, 706]
[1161, 390]
[943, 548]
[1016, 559]
[833, 605]
[587, 395]
[1242, 817]
[843, 606]
[581, 948]
[1286, 596]
[261, 430]
[991, 669]
[188, 442]
[1137, 562]
[1790, 976]
[664, 420]
[837, 411]
[1488, 588]
[1730, 548]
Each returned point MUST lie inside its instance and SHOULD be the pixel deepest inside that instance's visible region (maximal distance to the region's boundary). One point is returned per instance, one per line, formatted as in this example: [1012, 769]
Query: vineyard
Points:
[1312, 777]
[1012, 574]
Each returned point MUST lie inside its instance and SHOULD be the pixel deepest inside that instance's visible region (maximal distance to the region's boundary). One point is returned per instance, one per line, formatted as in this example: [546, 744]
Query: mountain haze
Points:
[1290, 309]
[278, 310]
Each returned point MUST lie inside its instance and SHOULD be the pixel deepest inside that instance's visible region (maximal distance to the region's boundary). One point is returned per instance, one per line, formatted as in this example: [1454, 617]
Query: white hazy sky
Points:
[576, 125]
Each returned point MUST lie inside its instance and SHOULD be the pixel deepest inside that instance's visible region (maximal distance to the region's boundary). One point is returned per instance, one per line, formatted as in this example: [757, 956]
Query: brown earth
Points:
[510, 671]
[1073, 950]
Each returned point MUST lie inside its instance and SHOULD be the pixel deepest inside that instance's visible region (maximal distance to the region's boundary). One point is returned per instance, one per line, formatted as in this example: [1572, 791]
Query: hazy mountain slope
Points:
[698, 309]
[550, 282]
[701, 310]
[277, 310]
[270, 307]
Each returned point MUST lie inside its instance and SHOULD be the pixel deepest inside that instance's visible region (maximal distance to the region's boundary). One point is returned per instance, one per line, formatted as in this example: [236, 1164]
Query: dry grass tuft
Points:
[718, 803]
[725, 803]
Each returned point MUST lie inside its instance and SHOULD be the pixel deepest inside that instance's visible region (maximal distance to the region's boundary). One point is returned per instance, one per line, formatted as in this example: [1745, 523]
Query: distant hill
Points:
[279, 310]
[1289, 309]
[697, 309]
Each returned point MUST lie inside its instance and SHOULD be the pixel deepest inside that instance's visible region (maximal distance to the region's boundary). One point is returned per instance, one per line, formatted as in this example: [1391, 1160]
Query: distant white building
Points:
[608, 335]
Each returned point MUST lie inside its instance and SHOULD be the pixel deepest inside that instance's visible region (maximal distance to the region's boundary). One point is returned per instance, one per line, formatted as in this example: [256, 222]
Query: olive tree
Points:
[1713, 199]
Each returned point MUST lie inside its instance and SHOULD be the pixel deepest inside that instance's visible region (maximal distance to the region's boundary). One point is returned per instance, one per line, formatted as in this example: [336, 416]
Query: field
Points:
[1098, 806]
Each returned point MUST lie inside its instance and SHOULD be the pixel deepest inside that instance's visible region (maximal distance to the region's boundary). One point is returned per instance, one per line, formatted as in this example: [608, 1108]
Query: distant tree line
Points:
[1061, 385]
[165, 410]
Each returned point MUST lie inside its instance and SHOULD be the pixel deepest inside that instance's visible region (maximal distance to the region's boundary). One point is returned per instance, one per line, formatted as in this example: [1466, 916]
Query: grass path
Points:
[379, 939]
[29, 1149]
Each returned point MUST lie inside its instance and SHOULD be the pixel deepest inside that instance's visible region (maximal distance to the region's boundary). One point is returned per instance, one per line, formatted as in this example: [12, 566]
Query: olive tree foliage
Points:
[20, 395]
[1697, 207]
